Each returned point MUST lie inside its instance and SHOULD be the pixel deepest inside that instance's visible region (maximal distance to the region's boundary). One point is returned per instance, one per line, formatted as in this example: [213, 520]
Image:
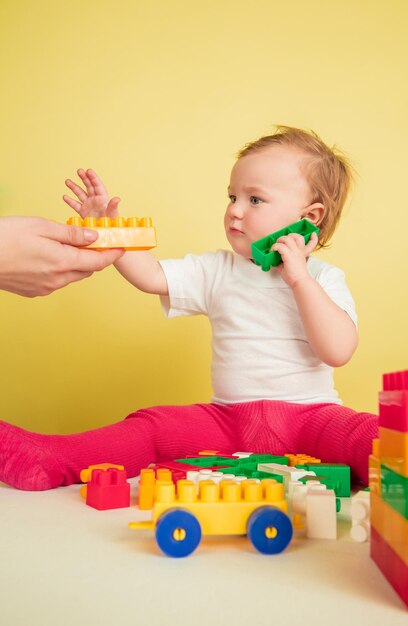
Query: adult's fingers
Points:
[96, 260]
[71, 235]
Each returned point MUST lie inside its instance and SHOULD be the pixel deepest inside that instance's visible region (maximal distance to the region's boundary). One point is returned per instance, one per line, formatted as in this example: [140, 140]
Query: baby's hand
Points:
[294, 252]
[94, 202]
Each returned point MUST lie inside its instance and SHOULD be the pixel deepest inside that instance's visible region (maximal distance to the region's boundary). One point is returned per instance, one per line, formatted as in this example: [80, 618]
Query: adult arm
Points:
[38, 256]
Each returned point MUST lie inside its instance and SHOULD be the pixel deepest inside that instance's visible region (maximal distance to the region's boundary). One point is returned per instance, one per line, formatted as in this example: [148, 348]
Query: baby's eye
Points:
[255, 200]
[232, 199]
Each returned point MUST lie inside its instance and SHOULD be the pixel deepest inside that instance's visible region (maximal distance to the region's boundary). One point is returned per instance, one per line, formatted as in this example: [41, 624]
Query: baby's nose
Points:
[236, 209]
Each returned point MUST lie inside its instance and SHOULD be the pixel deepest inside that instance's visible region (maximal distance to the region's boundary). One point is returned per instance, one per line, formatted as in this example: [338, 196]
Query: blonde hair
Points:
[327, 171]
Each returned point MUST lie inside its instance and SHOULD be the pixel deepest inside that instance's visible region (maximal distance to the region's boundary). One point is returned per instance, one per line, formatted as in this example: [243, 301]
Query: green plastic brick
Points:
[261, 249]
[337, 473]
[394, 490]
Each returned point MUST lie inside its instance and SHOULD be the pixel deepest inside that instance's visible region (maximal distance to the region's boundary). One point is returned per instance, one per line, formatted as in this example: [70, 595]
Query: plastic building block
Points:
[315, 507]
[374, 468]
[394, 450]
[219, 509]
[391, 565]
[86, 474]
[394, 410]
[261, 249]
[394, 490]
[108, 489]
[131, 233]
[360, 516]
[388, 477]
[288, 473]
[242, 455]
[392, 526]
[395, 381]
[321, 514]
[147, 487]
[208, 474]
[301, 459]
[337, 473]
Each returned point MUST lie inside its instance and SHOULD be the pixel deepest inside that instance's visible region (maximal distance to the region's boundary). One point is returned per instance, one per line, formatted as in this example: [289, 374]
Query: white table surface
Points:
[66, 564]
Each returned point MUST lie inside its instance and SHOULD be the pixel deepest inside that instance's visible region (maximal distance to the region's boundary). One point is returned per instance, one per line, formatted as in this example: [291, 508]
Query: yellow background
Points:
[158, 97]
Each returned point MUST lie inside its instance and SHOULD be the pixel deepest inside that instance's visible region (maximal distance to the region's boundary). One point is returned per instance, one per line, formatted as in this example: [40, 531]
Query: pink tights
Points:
[330, 432]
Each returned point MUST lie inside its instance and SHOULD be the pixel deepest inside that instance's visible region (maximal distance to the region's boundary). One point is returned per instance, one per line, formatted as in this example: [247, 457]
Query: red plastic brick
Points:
[395, 381]
[393, 568]
[108, 490]
[394, 410]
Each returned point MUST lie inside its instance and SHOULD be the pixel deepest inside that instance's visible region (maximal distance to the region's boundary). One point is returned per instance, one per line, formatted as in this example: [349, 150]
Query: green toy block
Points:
[261, 249]
[394, 490]
[248, 461]
[337, 473]
[249, 472]
[207, 461]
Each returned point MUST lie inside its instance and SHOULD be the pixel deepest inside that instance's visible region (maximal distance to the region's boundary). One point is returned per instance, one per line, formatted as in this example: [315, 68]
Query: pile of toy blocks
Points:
[388, 477]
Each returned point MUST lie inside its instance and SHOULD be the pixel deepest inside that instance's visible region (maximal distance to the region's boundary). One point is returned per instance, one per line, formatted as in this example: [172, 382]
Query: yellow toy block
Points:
[391, 525]
[221, 509]
[147, 487]
[131, 233]
[394, 450]
[86, 474]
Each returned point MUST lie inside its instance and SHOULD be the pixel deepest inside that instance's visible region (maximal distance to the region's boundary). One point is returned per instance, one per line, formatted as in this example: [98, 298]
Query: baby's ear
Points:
[314, 213]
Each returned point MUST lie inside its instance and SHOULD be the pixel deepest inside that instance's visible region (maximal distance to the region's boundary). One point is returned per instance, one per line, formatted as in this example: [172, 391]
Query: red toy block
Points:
[394, 410]
[391, 565]
[395, 381]
[108, 490]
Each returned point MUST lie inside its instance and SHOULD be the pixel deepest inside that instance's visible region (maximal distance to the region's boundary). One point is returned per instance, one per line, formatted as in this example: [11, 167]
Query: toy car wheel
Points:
[178, 533]
[269, 530]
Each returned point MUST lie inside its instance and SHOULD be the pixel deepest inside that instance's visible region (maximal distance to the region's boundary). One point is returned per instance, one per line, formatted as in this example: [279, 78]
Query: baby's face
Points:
[267, 192]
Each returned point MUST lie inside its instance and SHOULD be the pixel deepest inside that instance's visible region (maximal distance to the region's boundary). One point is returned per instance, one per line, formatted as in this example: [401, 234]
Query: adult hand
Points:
[38, 256]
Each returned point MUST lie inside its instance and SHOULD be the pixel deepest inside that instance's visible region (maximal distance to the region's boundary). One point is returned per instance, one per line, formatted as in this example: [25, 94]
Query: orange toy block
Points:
[86, 474]
[132, 233]
[391, 525]
[394, 450]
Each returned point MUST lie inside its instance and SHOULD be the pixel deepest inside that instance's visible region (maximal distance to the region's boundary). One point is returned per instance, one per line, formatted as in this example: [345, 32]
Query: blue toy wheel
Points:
[178, 533]
[269, 530]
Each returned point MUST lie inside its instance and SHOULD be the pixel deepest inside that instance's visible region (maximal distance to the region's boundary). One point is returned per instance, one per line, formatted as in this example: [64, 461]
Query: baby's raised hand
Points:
[294, 253]
[94, 200]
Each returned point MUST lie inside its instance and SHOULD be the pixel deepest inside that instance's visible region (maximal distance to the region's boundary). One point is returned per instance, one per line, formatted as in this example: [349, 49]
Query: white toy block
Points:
[360, 516]
[288, 473]
[321, 520]
[198, 476]
[242, 455]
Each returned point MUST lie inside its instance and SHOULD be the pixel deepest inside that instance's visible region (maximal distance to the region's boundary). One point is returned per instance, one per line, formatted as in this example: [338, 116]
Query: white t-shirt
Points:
[259, 346]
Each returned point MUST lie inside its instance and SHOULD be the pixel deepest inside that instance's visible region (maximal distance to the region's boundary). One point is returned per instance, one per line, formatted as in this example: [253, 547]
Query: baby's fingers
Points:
[112, 208]
[77, 206]
[87, 182]
[314, 240]
[98, 186]
[76, 189]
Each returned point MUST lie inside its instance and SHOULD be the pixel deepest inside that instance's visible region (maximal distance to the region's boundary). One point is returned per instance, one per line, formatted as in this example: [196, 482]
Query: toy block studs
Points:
[132, 233]
[108, 490]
